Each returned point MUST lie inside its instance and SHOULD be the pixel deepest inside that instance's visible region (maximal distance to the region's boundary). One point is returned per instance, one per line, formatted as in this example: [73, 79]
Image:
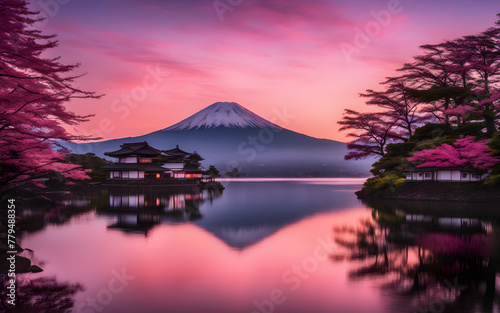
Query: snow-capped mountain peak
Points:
[227, 114]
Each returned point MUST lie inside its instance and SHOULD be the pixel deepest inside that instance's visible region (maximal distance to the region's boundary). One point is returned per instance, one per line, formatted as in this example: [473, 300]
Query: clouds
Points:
[130, 50]
[264, 54]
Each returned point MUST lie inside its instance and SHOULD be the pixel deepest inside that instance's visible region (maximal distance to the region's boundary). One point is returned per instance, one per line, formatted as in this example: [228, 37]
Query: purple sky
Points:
[161, 61]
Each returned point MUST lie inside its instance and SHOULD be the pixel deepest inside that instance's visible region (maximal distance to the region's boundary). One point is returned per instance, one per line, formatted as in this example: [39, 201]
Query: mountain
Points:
[230, 136]
[226, 114]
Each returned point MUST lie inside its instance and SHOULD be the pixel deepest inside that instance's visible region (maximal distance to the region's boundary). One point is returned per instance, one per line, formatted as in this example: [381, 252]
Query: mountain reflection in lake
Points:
[235, 251]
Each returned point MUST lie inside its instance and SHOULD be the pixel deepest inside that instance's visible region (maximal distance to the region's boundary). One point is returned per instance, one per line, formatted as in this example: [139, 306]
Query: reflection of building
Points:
[450, 223]
[140, 162]
[139, 212]
[161, 201]
[126, 201]
[442, 174]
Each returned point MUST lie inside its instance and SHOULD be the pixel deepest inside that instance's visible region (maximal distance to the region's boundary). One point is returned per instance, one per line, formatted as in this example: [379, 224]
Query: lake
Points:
[263, 245]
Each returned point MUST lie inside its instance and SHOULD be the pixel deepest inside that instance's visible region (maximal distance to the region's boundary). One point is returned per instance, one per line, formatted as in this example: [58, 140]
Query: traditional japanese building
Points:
[140, 161]
[442, 174]
[175, 158]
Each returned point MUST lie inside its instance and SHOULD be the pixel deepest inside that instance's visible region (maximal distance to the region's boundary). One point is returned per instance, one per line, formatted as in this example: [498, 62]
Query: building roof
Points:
[134, 148]
[189, 171]
[171, 158]
[146, 167]
[433, 169]
[176, 152]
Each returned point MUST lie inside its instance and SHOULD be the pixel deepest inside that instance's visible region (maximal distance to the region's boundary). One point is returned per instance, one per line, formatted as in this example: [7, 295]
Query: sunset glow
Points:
[158, 62]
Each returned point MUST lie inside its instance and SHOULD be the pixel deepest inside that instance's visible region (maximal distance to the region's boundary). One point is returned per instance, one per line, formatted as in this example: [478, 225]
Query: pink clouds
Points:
[131, 49]
[265, 54]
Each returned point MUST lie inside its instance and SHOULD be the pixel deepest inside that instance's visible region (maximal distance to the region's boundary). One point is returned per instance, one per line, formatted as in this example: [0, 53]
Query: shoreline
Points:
[438, 191]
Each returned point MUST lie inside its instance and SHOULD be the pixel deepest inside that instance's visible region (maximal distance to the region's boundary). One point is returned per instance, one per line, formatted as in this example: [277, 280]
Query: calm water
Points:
[265, 246]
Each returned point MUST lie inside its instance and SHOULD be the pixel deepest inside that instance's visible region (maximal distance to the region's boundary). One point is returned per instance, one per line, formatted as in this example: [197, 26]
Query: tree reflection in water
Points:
[43, 294]
[131, 211]
[446, 261]
[39, 295]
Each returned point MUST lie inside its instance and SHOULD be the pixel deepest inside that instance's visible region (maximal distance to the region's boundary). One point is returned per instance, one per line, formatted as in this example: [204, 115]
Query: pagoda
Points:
[140, 161]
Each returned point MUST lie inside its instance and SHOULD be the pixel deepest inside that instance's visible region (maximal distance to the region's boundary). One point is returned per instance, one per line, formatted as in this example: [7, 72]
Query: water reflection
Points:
[18, 291]
[435, 257]
[139, 212]
[249, 212]
[44, 294]
[254, 209]
[195, 251]
[132, 211]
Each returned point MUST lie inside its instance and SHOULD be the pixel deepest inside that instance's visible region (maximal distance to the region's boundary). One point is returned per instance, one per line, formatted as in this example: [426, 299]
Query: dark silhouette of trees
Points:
[33, 92]
[213, 171]
[423, 260]
[193, 161]
[450, 92]
[372, 132]
[399, 106]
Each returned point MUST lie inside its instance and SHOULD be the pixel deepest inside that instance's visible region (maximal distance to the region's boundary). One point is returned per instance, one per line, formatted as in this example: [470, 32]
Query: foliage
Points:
[399, 182]
[399, 106]
[494, 144]
[193, 162]
[90, 161]
[33, 91]
[466, 152]
[394, 158]
[493, 180]
[372, 132]
[212, 171]
[450, 90]
[235, 173]
[383, 184]
[433, 131]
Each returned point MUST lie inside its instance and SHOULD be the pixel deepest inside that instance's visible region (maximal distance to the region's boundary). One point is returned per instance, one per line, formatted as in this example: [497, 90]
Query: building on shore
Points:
[442, 174]
[138, 161]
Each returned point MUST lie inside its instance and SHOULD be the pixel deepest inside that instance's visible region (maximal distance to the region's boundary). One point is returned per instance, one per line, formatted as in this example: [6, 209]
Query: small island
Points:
[435, 132]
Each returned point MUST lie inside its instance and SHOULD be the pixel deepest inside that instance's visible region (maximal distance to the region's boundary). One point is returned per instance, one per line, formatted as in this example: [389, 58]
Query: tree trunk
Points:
[489, 120]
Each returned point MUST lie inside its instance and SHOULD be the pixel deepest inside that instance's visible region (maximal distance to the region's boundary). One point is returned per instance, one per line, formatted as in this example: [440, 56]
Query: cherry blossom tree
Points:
[481, 68]
[372, 132]
[467, 152]
[431, 80]
[398, 105]
[33, 92]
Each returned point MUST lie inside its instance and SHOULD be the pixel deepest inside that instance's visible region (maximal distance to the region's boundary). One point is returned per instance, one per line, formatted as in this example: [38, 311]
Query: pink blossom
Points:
[475, 246]
[461, 110]
[34, 91]
[467, 152]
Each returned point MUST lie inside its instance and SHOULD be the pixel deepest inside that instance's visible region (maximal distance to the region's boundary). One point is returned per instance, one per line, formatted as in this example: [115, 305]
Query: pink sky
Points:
[269, 56]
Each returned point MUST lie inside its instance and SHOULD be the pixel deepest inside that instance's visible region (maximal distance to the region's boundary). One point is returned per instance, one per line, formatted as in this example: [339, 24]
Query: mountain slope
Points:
[230, 136]
[227, 114]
